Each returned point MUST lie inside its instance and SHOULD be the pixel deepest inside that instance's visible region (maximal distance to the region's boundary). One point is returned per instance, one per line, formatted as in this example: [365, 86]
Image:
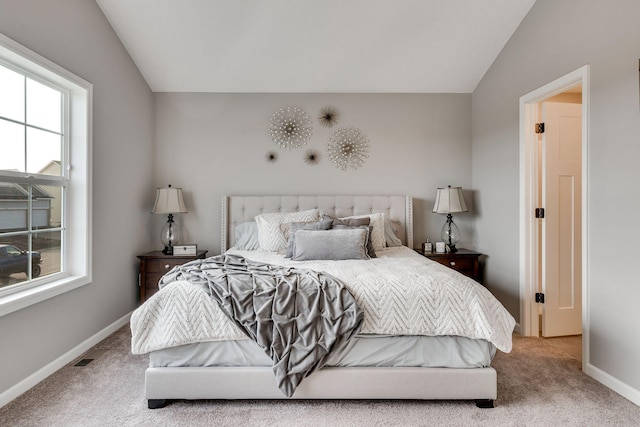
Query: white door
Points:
[561, 244]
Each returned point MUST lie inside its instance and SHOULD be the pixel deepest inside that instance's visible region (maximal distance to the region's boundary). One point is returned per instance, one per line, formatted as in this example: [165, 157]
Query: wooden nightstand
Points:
[153, 265]
[463, 261]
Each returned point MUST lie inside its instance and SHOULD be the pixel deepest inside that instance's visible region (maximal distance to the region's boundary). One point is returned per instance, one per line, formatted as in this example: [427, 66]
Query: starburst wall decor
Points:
[271, 157]
[328, 117]
[349, 148]
[290, 127]
[311, 157]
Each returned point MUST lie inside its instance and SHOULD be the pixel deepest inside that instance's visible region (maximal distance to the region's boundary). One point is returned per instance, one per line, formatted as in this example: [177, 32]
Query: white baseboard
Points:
[33, 379]
[614, 384]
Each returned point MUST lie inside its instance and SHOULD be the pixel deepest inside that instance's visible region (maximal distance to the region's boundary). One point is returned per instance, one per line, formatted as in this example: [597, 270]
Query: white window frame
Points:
[77, 211]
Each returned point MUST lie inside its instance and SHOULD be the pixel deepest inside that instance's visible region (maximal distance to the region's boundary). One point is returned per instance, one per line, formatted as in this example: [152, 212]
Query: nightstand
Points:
[464, 261]
[153, 265]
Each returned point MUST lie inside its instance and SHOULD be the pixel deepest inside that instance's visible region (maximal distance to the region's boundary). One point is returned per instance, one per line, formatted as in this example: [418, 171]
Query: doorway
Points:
[533, 266]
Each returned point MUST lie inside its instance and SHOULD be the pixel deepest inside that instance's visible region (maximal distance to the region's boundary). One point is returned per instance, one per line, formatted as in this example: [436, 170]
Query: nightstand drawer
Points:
[463, 261]
[457, 263]
[163, 265]
[154, 265]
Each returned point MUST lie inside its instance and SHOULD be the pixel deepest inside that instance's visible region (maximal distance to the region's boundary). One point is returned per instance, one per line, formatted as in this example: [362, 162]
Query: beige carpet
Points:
[539, 384]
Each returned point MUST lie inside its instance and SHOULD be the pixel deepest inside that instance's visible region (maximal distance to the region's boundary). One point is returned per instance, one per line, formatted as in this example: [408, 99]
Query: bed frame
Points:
[164, 384]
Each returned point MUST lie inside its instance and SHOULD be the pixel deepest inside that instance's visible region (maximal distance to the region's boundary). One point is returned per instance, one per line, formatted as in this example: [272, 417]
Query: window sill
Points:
[27, 297]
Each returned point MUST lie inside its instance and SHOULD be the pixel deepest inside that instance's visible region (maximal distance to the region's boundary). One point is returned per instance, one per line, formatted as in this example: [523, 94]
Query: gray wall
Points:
[215, 144]
[75, 35]
[557, 37]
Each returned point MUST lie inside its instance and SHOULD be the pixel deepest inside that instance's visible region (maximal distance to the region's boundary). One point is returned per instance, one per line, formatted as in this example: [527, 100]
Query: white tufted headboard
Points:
[239, 209]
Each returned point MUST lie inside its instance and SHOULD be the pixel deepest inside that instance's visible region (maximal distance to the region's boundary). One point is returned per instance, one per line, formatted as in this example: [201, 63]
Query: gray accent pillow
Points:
[370, 251]
[352, 222]
[247, 236]
[325, 224]
[334, 244]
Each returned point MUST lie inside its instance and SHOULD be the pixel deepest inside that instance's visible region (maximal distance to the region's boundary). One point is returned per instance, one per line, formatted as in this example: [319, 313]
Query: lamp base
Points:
[170, 235]
[452, 249]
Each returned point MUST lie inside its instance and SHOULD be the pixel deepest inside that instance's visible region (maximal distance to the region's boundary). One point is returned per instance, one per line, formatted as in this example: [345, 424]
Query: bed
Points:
[377, 363]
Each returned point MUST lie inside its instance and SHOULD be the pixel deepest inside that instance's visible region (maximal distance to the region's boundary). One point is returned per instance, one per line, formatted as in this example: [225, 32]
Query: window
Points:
[45, 146]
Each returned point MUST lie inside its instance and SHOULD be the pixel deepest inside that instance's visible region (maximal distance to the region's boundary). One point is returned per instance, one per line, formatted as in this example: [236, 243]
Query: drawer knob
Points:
[452, 263]
[166, 266]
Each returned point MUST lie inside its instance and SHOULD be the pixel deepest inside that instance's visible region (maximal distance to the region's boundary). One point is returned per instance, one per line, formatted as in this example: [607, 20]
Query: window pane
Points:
[46, 206]
[43, 152]
[11, 94]
[13, 260]
[14, 200]
[14, 257]
[44, 106]
[48, 245]
[11, 146]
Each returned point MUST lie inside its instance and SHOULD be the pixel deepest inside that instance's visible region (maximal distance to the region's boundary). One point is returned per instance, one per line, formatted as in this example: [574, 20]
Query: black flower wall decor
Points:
[271, 157]
[328, 116]
[348, 148]
[290, 127]
[311, 157]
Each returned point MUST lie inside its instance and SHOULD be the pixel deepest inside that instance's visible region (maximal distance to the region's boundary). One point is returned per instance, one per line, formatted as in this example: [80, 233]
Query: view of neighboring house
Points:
[13, 207]
[47, 209]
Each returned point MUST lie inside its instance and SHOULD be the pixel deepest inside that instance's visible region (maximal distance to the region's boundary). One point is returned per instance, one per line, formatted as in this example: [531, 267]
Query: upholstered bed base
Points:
[477, 384]
[191, 383]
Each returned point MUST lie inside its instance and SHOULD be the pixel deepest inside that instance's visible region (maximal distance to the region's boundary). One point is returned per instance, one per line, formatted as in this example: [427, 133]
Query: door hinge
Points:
[540, 297]
[539, 128]
[539, 212]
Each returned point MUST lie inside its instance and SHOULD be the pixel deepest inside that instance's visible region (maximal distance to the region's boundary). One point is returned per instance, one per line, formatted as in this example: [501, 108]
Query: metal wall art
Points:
[311, 157]
[348, 148]
[328, 117]
[271, 157]
[290, 127]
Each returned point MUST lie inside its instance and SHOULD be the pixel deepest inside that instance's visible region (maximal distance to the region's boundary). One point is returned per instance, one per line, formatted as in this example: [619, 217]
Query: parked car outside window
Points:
[16, 260]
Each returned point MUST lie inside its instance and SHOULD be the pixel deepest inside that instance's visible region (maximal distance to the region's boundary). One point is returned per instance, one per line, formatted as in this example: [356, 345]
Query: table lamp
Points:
[169, 201]
[449, 200]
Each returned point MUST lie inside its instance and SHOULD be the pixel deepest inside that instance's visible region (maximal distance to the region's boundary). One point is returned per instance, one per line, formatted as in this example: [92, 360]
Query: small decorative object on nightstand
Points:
[153, 265]
[463, 261]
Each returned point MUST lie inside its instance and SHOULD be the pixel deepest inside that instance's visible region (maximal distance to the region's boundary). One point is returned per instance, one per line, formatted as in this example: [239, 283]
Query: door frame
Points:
[529, 260]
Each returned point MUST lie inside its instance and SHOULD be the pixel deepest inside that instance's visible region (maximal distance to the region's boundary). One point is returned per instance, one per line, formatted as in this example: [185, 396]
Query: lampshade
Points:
[169, 201]
[449, 200]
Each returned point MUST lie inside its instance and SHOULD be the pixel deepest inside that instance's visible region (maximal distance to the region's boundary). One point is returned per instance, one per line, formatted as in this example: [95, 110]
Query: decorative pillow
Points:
[247, 236]
[286, 227]
[370, 251]
[377, 235]
[390, 230]
[324, 224]
[270, 236]
[338, 244]
[352, 222]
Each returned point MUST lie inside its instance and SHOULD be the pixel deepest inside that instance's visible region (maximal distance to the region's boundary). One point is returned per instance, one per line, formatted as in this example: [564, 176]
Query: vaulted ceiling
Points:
[401, 46]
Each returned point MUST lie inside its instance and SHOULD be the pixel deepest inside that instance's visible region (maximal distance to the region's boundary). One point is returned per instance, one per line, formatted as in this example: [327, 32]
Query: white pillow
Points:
[270, 236]
[390, 229]
[376, 221]
[247, 236]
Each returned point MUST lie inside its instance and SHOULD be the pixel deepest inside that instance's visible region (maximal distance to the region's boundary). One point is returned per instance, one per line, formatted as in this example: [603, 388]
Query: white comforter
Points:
[400, 292]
